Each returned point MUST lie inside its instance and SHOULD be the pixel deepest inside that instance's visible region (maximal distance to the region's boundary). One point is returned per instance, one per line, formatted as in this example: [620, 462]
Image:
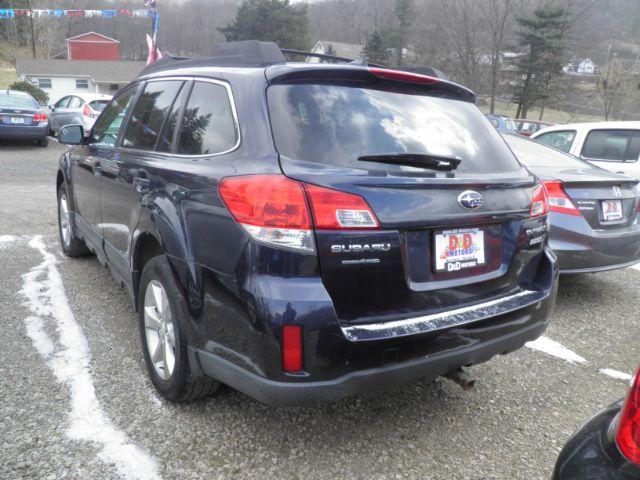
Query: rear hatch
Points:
[395, 143]
[604, 204]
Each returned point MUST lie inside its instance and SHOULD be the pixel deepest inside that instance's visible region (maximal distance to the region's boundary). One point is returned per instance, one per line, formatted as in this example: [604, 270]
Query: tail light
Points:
[40, 117]
[292, 348]
[558, 199]
[400, 76]
[274, 209]
[86, 111]
[628, 434]
[539, 202]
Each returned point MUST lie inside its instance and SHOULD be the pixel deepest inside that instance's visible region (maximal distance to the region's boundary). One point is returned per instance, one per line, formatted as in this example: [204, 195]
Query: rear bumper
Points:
[388, 377]
[584, 250]
[24, 132]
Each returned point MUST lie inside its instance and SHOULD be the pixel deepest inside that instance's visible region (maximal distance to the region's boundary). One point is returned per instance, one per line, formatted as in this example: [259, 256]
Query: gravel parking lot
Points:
[82, 407]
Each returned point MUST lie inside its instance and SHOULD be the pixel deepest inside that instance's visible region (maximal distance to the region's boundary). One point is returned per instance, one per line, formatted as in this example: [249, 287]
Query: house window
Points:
[82, 83]
[44, 83]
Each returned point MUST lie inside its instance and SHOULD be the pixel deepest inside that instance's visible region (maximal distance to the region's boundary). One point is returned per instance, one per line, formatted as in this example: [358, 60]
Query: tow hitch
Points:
[462, 378]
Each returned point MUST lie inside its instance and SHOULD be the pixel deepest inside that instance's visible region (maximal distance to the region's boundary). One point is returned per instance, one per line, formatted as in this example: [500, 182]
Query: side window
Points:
[107, 126]
[208, 125]
[166, 137]
[76, 102]
[608, 145]
[633, 152]
[562, 140]
[149, 113]
[62, 103]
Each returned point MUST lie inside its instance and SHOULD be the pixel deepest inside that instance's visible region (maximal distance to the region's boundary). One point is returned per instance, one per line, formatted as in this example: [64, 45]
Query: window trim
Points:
[192, 79]
[633, 132]
[50, 80]
[82, 80]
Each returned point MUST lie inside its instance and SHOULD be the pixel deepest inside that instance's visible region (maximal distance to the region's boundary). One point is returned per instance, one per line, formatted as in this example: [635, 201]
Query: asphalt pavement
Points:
[75, 400]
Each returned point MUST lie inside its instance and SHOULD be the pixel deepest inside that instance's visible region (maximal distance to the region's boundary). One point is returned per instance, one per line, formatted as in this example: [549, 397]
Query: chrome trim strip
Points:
[439, 321]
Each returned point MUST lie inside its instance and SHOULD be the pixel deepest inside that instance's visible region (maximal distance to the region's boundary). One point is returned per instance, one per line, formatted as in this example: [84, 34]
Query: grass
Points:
[7, 77]
[550, 114]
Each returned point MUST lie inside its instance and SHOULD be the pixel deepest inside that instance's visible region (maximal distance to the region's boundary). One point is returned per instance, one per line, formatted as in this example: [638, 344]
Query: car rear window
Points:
[534, 154]
[98, 105]
[612, 145]
[336, 124]
[18, 101]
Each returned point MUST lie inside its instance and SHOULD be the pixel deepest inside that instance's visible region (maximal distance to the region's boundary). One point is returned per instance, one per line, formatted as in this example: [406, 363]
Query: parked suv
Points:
[303, 232]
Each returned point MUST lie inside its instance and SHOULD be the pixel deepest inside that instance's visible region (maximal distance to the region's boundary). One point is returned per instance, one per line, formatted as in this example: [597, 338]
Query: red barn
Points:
[93, 46]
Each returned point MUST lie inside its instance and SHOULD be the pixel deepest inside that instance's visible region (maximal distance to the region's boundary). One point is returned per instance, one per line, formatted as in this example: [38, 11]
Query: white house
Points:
[65, 77]
[585, 66]
[339, 49]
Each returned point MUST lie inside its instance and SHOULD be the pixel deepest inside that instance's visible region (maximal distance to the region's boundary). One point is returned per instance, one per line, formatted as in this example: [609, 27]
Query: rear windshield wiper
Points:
[418, 160]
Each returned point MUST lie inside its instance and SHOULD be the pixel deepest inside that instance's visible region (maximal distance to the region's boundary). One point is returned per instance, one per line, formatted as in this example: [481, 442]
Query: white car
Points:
[614, 146]
[77, 109]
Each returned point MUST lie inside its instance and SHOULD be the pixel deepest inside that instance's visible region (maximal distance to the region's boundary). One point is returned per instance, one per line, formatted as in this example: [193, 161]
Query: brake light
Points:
[400, 76]
[40, 117]
[539, 202]
[628, 435]
[271, 208]
[274, 209]
[558, 199]
[292, 348]
[86, 111]
[334, 210]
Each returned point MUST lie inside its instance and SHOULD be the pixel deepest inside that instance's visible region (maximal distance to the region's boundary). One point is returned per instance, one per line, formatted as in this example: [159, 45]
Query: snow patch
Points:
[636, 266]
[617, 374]
[7, 238]
[70, 362]
[553, 348]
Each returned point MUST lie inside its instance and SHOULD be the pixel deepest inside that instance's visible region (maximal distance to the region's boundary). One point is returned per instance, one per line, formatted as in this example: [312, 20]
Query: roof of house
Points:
[100, 71]
[92, 37]
[346, 50]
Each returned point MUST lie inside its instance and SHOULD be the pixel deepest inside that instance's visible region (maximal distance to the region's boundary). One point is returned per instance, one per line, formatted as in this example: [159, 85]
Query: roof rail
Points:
[252, 53]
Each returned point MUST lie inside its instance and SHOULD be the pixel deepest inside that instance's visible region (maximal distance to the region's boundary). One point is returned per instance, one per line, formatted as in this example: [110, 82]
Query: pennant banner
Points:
[138, 13]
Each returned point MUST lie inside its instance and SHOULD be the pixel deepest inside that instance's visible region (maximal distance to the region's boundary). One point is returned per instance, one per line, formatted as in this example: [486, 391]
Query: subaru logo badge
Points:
[617, 191]
[470, 199]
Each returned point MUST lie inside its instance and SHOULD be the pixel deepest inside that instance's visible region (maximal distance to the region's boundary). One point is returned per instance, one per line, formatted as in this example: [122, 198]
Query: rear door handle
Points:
[141, 184]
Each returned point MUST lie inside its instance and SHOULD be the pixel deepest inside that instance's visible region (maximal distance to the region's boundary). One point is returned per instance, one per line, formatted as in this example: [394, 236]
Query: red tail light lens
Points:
[292, 348]
[558, 199]
[271, 208]
[400, 76]
[539, 202]
[334, 210]
[628, 435]
[40, 117]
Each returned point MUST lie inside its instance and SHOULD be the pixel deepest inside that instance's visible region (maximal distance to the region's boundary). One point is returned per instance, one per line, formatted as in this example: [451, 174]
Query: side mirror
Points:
[71, 135]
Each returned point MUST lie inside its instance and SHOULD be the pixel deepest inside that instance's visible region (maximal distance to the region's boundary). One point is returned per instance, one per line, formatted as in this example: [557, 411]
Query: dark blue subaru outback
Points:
[303, 232]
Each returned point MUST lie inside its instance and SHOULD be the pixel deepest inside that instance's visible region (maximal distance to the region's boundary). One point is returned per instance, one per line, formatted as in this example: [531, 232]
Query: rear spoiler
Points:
[375, 76]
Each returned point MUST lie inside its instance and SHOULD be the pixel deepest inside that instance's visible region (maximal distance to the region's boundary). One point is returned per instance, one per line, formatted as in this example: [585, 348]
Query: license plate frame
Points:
[17, 121]
[611, 210]
[469, 251]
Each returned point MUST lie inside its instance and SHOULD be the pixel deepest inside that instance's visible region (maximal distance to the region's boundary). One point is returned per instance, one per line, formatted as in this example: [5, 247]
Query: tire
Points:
[162, 334]
[71, 245]
[43, 142]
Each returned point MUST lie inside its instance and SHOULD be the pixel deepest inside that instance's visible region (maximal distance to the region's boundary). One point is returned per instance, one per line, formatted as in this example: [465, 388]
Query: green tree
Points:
[405, 13]
[376, 48]
[270, 20]
[40, 95]
[543, 36]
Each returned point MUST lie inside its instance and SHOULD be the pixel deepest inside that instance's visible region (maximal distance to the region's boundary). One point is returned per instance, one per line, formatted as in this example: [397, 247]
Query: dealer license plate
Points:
[459, 249]
[17, 120]
[611, 210]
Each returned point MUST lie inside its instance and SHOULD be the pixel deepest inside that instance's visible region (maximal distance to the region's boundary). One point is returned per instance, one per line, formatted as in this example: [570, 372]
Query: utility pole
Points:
[33, 36]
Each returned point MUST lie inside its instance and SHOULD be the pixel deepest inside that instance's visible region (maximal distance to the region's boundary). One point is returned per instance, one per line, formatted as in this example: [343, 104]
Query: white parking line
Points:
[70, 362]
[553, 348]
[617, 374]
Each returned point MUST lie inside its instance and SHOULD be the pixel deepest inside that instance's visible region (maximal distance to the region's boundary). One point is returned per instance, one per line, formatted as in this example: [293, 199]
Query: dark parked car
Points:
[503, 123]
[595, 224]
[303, 232]
[607, 447]
[22, 118]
